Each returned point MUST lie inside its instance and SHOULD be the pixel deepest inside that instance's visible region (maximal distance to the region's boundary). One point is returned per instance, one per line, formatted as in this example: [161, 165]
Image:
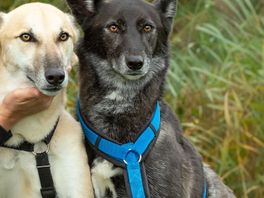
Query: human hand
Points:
[21, 103]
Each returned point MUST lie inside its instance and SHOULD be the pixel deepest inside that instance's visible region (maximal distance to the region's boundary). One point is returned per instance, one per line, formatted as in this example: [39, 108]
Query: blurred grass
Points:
[215, 85]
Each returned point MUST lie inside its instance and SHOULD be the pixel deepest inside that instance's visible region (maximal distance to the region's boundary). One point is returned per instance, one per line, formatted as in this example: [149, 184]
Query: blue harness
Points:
[129, 156]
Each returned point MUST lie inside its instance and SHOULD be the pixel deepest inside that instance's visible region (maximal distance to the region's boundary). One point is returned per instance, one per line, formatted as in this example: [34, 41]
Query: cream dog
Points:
[36, 46]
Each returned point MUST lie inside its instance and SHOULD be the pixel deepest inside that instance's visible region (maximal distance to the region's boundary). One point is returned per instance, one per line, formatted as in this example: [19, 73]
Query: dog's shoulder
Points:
[168, 117]
[172, 127]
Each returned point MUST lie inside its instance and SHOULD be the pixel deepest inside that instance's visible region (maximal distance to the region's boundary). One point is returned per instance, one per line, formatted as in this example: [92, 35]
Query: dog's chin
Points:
[133, 77]
[46, 90]
[51, 91]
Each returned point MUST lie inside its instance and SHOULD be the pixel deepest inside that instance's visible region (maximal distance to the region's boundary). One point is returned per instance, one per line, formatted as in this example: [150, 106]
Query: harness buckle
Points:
[135, 153]
[41, 147]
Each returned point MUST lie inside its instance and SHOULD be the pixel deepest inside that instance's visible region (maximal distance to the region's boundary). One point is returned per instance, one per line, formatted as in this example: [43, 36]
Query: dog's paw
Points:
[102, 171]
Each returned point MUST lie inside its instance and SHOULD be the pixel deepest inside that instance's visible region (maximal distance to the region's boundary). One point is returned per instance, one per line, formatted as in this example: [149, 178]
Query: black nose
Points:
[55, 76]
[134, 62]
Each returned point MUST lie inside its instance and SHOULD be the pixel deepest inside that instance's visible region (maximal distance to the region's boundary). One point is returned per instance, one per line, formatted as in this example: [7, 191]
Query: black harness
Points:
[42, 162]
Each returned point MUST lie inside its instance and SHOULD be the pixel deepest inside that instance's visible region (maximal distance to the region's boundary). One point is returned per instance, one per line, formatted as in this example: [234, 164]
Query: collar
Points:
[29, 147]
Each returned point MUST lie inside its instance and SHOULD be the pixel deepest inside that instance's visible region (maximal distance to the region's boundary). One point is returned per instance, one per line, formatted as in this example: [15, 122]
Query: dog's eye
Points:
[147, 28]
[26, 37]
[64, 36]
[114, 28]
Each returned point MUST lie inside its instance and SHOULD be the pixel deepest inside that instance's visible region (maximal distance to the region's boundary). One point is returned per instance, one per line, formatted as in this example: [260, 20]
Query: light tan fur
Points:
[18, 59]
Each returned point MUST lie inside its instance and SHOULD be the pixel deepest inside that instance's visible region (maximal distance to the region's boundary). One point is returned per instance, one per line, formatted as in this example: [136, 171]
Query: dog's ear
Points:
[82, 9]
[167, 7]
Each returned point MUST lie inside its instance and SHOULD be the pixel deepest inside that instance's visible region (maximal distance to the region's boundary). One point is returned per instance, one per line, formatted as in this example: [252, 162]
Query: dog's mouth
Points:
[135, 75]
[47, 90]
[126, 72]
[53, 89]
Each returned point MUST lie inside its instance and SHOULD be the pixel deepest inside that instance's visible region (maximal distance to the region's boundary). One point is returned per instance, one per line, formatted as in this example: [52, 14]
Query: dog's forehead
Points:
[38, 18]
[130, 9]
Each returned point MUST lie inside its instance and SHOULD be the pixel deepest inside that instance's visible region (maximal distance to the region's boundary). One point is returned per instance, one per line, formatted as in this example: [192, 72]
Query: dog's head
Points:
[38, 40]
[126, 38]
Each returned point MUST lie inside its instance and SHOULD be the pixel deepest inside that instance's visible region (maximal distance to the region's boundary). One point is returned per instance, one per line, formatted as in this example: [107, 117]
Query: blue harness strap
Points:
[129, 156]
[205, 188]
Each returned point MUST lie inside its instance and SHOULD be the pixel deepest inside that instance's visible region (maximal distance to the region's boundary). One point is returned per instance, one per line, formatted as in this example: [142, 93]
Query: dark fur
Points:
[173, 167]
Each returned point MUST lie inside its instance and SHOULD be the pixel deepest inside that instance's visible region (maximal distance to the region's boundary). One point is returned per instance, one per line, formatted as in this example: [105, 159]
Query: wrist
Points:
[7, 125]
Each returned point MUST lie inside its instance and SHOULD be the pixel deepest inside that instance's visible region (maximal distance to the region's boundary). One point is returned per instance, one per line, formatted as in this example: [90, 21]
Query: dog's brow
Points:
[28, 31]
[24, 30]
[146, 21]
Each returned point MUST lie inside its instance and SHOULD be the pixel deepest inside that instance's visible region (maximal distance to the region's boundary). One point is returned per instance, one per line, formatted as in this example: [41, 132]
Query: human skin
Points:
[21, 103]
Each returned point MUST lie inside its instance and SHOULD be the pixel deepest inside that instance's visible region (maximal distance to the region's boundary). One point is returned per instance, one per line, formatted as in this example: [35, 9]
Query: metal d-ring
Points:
[133, 151]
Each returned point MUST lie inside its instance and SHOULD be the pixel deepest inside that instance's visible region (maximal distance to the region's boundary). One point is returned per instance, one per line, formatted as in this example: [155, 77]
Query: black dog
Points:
[123, 63]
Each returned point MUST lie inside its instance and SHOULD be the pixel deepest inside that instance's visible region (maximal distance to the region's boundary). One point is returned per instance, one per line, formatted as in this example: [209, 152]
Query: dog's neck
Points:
[119, 113]
[36, 127]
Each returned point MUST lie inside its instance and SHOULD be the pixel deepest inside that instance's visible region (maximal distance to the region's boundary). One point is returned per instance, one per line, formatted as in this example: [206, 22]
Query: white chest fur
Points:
[102, 171]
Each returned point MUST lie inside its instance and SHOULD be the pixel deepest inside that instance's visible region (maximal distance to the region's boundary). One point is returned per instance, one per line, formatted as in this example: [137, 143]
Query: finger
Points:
[42, 104]
[33, 106]
[32, 94]
[24, 98]
[24, 94]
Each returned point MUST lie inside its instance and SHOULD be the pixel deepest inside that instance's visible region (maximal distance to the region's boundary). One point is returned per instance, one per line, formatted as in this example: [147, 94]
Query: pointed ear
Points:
[167, 7]
[82, 9]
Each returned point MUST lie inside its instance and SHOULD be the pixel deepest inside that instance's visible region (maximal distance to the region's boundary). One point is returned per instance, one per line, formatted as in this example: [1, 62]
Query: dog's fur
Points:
[23, 64]
[119, 101]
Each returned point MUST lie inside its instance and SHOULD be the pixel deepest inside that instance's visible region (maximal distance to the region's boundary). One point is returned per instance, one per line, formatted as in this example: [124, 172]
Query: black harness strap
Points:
[42, 162]
[47, 187]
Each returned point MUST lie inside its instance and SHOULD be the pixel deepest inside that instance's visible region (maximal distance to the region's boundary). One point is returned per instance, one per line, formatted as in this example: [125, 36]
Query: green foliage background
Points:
[215, 85]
